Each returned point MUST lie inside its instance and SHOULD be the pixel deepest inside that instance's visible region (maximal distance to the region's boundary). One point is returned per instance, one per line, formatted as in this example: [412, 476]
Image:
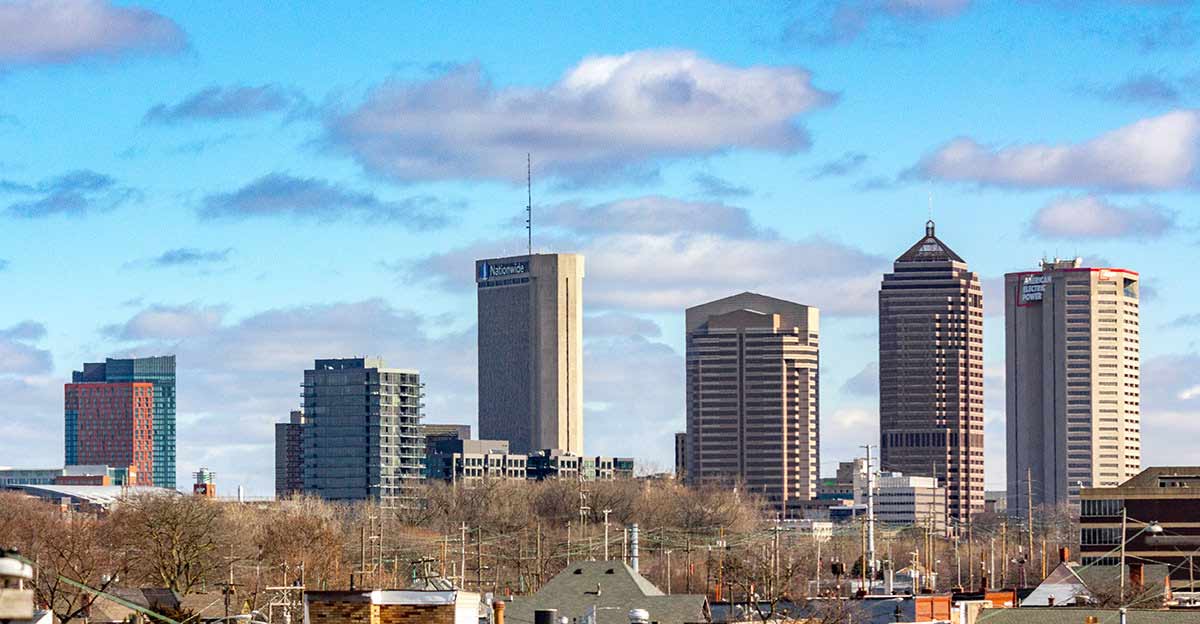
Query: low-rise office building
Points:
[455, 460]
[1158, 508]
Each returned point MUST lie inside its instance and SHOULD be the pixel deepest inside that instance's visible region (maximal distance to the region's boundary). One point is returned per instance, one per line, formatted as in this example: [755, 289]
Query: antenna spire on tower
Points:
[529, 206]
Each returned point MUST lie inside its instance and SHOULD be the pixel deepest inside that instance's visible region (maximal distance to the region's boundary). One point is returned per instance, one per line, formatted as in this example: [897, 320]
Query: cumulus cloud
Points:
[653, 214]
[232, 102]
[606, 115]
[843, 21]
[74, 194]
[162, 322]
[630, 379]
[1170, 408]
[1153, 154]
[17, 355]
[666, 262]
[611, 324]
[36, 32]
[1092, 217]
[864, 383]
[282, 194]
[714, 186]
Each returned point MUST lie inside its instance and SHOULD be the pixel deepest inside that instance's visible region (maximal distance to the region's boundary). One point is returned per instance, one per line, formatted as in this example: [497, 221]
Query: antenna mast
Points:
[529, 206]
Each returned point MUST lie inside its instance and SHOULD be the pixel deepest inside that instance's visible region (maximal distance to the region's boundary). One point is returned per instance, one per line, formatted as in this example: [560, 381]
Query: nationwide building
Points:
[158, 371]
[289, 456]
[752, 396]
[531, 351]
[361, 433]
[931, 372]
[1154, 514]
[111, 424]
[1072, 382]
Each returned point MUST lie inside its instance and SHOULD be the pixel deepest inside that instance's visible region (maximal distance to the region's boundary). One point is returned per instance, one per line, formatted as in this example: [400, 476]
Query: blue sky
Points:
[253, 186]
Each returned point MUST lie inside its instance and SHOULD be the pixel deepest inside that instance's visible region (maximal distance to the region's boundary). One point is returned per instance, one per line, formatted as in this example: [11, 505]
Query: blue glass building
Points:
[158, 370]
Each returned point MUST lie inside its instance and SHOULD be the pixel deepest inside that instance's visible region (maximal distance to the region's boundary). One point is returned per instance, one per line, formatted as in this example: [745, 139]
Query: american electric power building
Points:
[1073, 381]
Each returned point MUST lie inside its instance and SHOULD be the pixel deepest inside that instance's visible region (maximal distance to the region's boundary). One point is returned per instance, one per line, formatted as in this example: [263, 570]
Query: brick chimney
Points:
[498, 612]
[1064, 554]
[1137, 576]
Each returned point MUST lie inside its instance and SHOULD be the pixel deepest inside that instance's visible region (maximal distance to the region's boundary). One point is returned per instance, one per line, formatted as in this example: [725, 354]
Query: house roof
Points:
[613, 588]
[1071, 615]
[1072, 583]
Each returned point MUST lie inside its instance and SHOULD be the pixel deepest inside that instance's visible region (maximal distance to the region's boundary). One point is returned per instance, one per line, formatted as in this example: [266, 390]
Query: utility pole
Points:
[539, 555]
[606, 512]
[479, 559]
[462, 558]
[668, 553]
[870, 561]
[1004, 553]
[1029, 505]
[1121, 568]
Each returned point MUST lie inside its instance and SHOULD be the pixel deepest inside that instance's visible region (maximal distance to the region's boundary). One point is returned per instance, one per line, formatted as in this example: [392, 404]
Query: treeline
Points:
[507, 537]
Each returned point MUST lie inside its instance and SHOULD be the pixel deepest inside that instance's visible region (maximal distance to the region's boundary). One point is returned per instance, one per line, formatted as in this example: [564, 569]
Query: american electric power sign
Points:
[502, 270]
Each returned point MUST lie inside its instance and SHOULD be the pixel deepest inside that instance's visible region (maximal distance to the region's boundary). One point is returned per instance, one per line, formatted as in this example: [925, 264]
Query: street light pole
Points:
[1121, 568]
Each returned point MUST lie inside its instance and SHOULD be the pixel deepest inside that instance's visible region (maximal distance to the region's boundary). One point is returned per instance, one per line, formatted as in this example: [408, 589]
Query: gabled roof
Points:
[930, 249]
[613, 588]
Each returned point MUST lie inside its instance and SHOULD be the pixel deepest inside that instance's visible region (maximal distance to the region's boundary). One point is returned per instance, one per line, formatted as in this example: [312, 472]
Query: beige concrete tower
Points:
[1073, 381]
[531, 351]
[931, 372]
[752, 399]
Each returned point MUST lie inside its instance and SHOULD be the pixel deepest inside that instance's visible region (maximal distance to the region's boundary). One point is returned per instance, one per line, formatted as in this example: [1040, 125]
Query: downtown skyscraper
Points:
[160, 373]
[931, 372]
[752, 396]
[1073, 381]
[531, 351]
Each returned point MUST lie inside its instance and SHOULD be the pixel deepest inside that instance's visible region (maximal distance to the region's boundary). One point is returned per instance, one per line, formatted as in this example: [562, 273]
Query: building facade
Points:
[931, 371]
[680, 455]
[902, 500]
[1167, 497]
[462, 461]
[289, 456]
[1073, 381]
[752, 395]
[361, 437]
[111, 424]
[159, 371]
[531, 351]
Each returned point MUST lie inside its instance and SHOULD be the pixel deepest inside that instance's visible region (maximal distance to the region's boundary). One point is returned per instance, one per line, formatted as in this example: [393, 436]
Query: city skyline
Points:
[187, 191]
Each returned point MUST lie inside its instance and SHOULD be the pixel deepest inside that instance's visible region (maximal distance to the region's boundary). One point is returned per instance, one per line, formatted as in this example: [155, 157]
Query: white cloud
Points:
[62, 31]
[168, 323]
[653, 214]
[1089, 216]
[607, 115]
[1153, 154]
[670, 257]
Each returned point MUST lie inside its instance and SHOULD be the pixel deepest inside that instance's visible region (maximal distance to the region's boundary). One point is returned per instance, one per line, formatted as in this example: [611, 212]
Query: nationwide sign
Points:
[1033, 287]
[488, 270]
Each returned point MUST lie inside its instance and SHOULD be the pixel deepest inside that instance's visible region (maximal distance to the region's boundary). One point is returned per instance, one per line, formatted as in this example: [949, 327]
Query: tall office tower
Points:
[531, 351]
[159, 371]
[1073, 415]
[111, 424]
[289, 456]
[931, 372]
[752, 399]
[362, 431]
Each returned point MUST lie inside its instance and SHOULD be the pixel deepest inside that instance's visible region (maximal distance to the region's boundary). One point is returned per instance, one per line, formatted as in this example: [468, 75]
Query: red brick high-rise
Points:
[113, 425]
[931, 372]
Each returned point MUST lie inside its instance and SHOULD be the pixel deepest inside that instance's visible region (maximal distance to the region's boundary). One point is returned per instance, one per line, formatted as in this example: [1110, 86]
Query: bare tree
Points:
[173, 540]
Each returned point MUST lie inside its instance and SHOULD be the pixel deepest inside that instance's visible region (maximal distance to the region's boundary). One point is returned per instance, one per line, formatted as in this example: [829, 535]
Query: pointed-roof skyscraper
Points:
[931, 371]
